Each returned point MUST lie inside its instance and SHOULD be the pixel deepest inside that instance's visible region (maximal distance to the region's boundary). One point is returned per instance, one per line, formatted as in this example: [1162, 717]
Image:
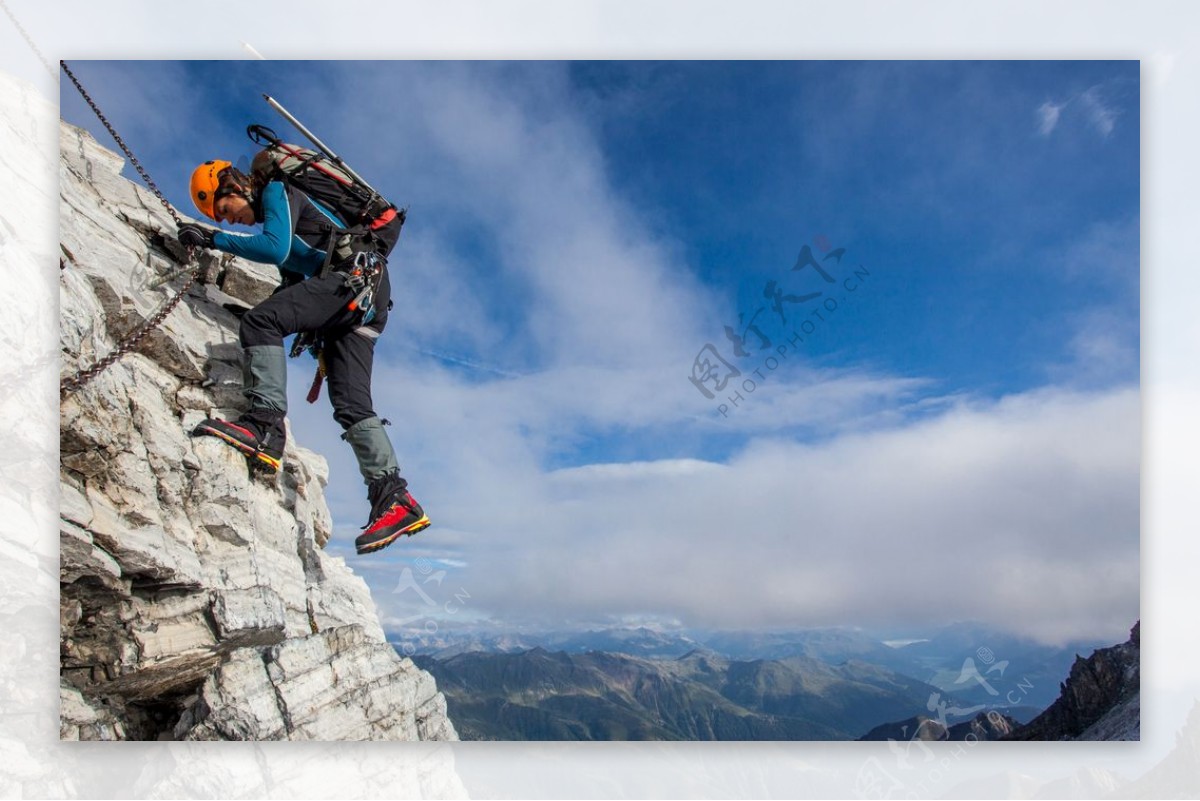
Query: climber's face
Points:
[234, 209]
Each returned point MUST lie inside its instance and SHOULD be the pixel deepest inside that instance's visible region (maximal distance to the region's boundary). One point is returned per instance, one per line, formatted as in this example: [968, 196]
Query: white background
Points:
[1163, 35]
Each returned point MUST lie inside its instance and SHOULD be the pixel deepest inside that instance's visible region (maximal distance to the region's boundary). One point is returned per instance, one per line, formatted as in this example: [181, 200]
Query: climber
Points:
[317, 296]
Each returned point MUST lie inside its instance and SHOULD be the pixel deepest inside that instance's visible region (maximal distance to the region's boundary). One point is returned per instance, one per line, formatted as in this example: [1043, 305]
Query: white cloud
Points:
[502, 153]
[1103, 347]
[1094, 103]
[1103, 321]
[999, 512]
[1101, 114]
[1022, 513]
[1048, 114]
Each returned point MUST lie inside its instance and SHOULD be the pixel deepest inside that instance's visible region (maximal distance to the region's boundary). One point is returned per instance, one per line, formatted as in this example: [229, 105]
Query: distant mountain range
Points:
[959, 681]
[638, 641]
[819, 685]
[978, 665]
[540, 695]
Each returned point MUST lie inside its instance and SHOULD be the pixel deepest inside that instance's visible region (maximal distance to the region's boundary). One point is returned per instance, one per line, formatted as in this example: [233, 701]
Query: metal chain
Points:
[75, 382]
[128, 154]
[69, 385]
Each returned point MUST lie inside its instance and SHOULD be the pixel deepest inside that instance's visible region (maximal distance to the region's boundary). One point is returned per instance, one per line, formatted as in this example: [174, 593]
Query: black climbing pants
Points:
[320, 304]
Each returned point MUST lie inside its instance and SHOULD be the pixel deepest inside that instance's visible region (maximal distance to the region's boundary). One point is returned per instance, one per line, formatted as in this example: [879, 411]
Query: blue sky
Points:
[967, 421]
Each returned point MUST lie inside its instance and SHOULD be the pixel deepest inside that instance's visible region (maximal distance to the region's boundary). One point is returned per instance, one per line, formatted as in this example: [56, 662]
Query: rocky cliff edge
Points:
[196, 600]
[1100, 700]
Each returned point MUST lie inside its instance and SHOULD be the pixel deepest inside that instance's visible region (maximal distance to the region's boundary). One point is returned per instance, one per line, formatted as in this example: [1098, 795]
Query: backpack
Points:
[360, 208]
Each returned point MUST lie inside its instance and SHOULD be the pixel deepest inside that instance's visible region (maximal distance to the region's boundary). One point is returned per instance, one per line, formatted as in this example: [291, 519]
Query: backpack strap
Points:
[330, 246]
[362, 239]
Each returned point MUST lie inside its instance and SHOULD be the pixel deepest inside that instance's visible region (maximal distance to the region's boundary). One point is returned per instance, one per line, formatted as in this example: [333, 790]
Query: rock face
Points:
[196, 600]
[1100, 700]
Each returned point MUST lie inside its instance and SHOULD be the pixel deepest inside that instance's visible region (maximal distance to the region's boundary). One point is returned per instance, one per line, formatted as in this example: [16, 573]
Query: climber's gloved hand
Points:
[195, 236]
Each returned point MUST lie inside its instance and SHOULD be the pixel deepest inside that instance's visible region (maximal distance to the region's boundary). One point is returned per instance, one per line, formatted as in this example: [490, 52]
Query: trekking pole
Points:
[334, 157]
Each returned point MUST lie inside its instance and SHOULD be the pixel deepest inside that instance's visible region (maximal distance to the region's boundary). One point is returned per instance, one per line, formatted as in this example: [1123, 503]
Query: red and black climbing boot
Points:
[394, 514]
[257, 434]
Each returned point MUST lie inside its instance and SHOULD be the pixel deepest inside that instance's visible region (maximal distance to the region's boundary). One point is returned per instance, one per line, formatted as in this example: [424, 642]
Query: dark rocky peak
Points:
[1100, 700]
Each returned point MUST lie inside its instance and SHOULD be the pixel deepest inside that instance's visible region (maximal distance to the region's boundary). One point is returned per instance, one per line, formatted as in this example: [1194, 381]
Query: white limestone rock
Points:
[237, 702]
[337, 684]
[79, 557]
[79, 720]
[249, 282]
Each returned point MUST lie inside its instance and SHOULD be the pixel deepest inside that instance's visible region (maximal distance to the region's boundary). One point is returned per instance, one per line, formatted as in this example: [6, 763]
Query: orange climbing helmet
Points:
[213, 180]
[206, 182]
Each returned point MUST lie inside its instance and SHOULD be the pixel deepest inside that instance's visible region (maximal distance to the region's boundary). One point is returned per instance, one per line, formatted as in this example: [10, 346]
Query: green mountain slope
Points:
[540, 695]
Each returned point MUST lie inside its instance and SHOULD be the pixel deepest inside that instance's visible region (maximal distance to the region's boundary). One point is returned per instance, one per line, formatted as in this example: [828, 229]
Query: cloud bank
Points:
[535, 371]
[1022, 513]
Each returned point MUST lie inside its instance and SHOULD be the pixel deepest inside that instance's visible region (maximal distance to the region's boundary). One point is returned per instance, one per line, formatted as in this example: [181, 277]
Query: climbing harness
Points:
[363, 279]
[83, 376]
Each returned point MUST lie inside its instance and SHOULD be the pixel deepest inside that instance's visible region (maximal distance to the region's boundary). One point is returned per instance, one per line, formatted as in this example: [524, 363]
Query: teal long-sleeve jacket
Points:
[294, 232]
